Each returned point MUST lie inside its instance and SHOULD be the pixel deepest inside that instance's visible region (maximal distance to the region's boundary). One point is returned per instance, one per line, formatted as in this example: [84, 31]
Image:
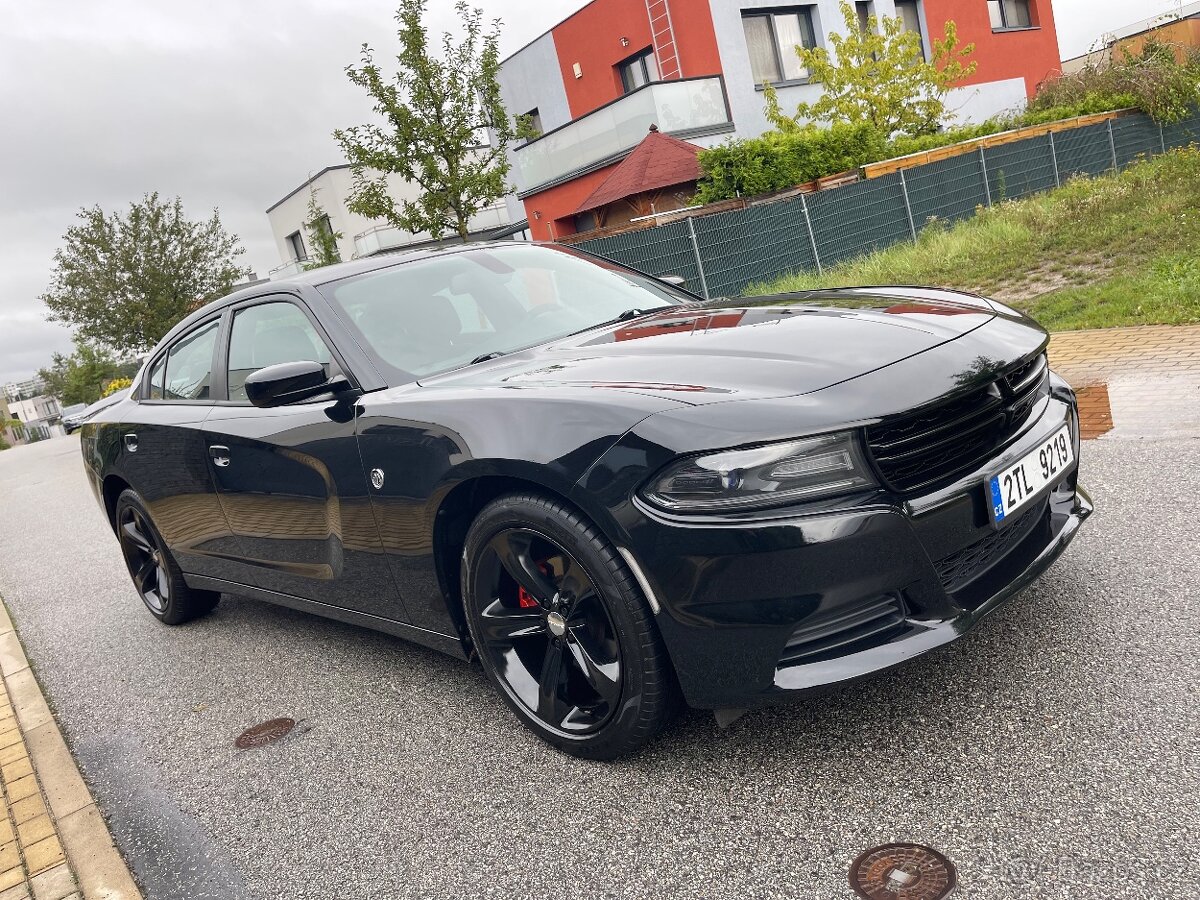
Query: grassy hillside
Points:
[1122, 249]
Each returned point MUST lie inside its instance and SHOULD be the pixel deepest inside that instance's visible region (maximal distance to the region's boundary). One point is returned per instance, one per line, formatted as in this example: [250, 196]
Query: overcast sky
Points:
[226, 103]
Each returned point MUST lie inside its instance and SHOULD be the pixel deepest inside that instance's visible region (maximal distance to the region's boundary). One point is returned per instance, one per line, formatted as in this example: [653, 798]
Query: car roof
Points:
[335, 272]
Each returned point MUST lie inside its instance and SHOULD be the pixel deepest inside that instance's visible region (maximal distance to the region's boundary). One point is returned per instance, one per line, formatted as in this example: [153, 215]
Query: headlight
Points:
[771, 475]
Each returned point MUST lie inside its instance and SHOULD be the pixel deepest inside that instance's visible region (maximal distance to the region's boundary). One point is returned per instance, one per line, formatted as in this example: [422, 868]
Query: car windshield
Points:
[437, 314]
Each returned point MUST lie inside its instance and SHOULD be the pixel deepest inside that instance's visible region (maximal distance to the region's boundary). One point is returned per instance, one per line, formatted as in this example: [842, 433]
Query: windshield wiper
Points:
[632, 314]
[495, 354]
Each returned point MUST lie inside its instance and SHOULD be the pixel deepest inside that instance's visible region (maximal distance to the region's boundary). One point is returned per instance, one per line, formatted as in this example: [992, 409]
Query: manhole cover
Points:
[902, 872]
[264, 733]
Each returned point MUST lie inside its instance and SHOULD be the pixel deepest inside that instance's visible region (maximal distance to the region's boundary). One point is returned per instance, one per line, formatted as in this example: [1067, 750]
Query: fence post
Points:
[907, 205]
[987, 188]
[812, 239]
[699, 261]
[1054, 159]
[1162, 138]
[1112, 144]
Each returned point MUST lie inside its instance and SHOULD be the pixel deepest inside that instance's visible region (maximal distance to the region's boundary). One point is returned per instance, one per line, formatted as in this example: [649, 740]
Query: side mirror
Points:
[677, 280]
[290, 382]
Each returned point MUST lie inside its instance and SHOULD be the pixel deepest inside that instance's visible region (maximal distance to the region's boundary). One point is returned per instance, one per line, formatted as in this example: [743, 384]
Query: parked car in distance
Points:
[615, 497]
[71, 421]
[69, 413]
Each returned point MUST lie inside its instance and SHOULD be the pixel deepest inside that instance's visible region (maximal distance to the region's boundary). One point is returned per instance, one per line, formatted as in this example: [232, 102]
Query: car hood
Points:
[711, 354]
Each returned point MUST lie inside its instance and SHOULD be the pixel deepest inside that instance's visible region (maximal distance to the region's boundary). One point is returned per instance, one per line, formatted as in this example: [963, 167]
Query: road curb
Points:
[100, 871]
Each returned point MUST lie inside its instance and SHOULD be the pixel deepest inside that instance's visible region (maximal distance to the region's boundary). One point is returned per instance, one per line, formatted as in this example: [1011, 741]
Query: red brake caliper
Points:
[524, 598]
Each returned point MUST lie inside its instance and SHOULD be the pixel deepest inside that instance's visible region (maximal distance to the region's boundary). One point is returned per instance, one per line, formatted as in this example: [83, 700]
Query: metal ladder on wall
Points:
[663, 37]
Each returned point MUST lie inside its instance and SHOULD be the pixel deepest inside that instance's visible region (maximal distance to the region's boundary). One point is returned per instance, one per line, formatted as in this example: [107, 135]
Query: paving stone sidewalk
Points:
[1137, 382]
[32, 863]
[54, 843]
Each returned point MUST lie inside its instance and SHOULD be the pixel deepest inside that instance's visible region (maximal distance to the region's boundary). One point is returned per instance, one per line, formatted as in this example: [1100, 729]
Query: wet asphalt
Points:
[1054, 752]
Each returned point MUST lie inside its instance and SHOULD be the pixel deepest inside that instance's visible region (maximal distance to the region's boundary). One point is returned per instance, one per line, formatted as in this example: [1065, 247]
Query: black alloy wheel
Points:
[156, 576]
[547, 631]
[562, 630]
[145, 560]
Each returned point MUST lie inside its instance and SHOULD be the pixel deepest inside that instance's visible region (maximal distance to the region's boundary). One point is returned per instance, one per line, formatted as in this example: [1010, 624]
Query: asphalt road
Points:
[1054, 752]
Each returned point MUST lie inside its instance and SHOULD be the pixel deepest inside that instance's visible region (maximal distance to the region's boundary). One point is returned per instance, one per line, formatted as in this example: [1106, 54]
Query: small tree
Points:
[321, 237]
[879, 75]
[438, 110]
[123, 281]
[81, 377]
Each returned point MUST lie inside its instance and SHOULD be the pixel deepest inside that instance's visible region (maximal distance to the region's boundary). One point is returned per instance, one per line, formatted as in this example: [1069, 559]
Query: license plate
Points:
[1024, 480]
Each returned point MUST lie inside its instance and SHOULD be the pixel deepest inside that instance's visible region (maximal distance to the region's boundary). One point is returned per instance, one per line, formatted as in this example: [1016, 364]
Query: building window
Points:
[638, 70]
[864, 12]
[772, 37]
[534, 118]
[907, 12]
[1006, 14]
[297, 244]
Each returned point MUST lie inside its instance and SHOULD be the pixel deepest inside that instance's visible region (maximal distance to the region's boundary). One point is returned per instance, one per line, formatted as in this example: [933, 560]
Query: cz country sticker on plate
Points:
[1020, 482]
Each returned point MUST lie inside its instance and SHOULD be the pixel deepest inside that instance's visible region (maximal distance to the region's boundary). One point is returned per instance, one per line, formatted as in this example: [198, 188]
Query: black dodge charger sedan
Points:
[616, 497]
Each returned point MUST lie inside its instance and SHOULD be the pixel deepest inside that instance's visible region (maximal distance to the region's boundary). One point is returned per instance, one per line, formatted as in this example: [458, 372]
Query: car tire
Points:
[156, 576]
[572, 647]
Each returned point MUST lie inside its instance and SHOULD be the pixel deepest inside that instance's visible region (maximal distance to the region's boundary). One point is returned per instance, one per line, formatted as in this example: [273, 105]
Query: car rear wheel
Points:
[155, 574]
[562, 629]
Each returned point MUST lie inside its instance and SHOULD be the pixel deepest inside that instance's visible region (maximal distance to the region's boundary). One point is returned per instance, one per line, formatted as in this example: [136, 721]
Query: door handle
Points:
[219, 454]
[131, 443]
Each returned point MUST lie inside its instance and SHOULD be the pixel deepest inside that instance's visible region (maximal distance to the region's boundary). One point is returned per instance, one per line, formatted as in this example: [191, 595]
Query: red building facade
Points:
[596, 81]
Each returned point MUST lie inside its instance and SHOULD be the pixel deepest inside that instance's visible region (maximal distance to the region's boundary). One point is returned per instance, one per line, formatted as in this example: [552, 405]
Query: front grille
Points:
[931, 446]
[845, 630]
[962, 566]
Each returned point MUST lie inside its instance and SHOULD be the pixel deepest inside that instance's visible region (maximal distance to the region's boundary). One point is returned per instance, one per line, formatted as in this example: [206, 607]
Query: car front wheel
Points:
[155, 574]
[562, 629]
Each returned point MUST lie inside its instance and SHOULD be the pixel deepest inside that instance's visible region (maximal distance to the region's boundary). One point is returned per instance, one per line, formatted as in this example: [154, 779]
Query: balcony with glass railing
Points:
[684, 107]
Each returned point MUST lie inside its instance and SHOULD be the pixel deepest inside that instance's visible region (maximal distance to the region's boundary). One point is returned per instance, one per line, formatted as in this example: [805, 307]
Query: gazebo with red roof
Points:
[660, 175]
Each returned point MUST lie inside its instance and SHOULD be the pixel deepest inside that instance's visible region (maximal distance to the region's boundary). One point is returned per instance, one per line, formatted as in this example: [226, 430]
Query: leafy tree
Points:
[122, 281]
[438, 109]
[83, 376]
[321, 237]
[879, 75]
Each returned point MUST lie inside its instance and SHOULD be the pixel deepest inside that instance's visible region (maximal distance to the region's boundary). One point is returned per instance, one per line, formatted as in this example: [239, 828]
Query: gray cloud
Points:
[227, 104]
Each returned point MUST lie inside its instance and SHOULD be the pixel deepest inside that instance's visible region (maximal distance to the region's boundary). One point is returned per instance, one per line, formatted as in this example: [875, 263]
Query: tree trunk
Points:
[463, 229]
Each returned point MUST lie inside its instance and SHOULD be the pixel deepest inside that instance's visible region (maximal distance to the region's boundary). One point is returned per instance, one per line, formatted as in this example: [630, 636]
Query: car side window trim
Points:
[165, 353]
[227, 334]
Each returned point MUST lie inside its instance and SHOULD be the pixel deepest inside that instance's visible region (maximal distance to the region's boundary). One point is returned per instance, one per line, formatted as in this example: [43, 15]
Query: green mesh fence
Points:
[1019, 169]
[858, 218]
[947, 190]
[1181, 134]
[1083, 151]
[742, 247]
[1136, 137]
[665, 250]
[739, 248]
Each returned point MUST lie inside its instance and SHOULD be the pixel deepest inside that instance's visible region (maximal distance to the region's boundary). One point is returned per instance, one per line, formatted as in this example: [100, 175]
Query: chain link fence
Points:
[719, 255]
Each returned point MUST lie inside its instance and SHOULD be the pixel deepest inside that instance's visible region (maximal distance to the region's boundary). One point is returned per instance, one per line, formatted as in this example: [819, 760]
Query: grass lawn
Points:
[1122, 249]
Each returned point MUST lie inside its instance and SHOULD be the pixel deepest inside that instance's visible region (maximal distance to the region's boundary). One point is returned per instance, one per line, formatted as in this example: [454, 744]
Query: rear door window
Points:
[190, 365]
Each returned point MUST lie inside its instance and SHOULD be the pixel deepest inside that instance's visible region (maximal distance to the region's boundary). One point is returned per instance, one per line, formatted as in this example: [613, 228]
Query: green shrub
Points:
[777, 161]
[1154, 81]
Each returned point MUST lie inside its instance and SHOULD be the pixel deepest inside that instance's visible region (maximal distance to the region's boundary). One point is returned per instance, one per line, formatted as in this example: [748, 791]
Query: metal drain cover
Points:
[264, 733]
[902, 872]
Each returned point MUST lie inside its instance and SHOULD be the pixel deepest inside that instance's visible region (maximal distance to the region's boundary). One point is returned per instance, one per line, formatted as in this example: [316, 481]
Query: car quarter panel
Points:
[158, 449]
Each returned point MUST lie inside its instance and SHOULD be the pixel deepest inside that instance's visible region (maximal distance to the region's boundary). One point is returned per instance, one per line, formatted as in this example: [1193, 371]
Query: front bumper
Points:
[758, 610]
